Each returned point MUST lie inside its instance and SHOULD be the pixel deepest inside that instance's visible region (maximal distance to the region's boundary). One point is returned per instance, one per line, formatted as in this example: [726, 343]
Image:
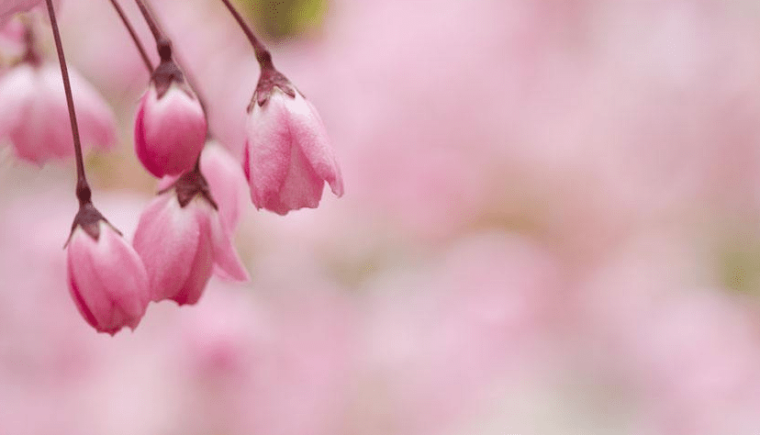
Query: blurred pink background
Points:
[551, 226]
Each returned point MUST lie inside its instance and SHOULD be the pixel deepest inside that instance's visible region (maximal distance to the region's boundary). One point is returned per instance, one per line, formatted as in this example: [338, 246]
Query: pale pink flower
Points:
[180, 238]
[288, 157]
[106, 277]
[170, 130]
[35, 118]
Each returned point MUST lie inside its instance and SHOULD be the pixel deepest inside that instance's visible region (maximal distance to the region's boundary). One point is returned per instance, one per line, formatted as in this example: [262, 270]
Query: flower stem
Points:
[134, 36]
[262, 54]
[83, 189]
[163, 44]
[157, 28]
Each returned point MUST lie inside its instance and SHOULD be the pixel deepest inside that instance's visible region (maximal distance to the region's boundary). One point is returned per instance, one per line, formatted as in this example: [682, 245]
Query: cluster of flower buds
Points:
[185, 234]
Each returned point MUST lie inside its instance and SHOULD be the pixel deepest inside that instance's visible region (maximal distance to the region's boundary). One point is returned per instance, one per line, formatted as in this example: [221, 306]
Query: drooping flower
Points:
[106, 277]
[170, 127]
[180, 238]
[35, 119]
[288, 157]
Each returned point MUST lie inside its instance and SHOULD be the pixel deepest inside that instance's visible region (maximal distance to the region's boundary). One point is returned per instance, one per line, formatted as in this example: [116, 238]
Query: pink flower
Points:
[287, 156]
[180, 238]
[106, 277]
[170, 129]
[35, 118]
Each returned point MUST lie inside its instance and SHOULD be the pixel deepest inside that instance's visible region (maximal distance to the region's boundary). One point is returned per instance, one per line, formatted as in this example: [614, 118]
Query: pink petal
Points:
[167, 239]
[311, 136]
[16, 89]
[97, 123]
[302, 187]
[226, 258]
[268, 146]
[200, 268]
[226, 181]
[51, 127]
[77, 255]
[141, 148]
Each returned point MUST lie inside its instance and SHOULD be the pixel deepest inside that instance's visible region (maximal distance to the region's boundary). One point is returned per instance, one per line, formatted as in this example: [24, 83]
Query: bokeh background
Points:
[551, 226]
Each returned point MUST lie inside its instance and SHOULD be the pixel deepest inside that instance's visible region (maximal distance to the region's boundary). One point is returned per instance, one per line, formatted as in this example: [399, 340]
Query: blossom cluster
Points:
[186, 233]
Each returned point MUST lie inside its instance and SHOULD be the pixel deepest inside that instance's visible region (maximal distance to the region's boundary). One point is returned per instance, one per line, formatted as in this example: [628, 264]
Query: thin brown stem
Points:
[262, 54]
[134, 36]
[178, 58]
[83, 189]
[190, 78]
[162, 42]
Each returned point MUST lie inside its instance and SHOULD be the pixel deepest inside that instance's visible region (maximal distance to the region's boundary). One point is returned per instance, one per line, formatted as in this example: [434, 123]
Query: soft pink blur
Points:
[34, 117]
[551, 226]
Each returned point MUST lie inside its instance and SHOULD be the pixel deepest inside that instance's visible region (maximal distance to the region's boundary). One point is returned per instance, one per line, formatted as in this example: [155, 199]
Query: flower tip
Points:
[337, 187]
[183, 299]
[112, 331]
[235, 274]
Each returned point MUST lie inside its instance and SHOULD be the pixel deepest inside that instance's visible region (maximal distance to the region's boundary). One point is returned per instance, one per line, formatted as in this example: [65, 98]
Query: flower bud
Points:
[106, 277]
[35, 118]
[287, 155]
[180, 238]
[170, 130]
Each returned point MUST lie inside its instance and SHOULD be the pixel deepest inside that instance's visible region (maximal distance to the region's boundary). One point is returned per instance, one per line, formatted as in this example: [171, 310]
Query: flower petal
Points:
[226, 181]
[200, 268]
[268, 146]
[226, 258]
[311, 136]
[167, 240]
